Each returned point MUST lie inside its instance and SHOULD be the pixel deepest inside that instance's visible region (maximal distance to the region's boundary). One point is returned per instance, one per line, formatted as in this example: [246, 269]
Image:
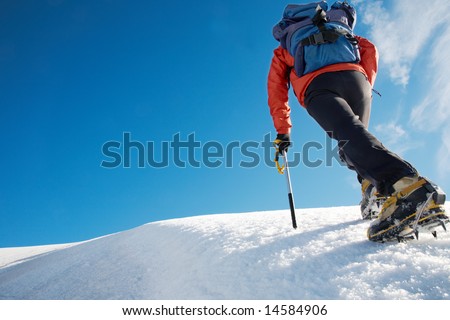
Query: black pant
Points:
[340, 102]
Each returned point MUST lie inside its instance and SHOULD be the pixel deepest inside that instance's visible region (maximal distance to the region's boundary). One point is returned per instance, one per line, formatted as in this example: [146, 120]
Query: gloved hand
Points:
[282, 142]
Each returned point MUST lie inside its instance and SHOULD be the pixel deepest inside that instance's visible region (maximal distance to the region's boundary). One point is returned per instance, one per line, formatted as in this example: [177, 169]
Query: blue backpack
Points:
[317, 37]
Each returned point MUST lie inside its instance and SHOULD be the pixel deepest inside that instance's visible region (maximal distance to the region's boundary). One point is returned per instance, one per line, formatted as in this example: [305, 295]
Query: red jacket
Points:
[282, 76]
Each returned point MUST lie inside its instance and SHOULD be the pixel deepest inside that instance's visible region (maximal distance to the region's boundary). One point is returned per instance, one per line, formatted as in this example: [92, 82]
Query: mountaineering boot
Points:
[416, 204]
[371, 202]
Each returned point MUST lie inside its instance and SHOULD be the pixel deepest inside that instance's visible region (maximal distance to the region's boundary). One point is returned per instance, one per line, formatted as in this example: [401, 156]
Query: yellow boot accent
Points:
[390, 205]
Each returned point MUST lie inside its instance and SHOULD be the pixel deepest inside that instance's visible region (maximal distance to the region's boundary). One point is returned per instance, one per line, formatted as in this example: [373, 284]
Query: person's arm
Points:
[278, 91]
[369, 58]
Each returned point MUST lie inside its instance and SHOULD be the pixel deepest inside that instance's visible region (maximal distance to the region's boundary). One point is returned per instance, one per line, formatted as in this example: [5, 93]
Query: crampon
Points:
[429, 217]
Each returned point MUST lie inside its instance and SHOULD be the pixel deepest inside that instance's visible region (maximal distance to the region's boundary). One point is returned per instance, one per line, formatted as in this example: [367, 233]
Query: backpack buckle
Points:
[314, 39]
[318, 38]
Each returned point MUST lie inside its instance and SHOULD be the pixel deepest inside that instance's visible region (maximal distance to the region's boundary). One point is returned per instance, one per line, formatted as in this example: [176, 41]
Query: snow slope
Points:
[234, 256]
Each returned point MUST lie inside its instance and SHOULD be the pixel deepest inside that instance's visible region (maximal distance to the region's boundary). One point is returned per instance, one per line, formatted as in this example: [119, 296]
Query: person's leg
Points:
[340, 103]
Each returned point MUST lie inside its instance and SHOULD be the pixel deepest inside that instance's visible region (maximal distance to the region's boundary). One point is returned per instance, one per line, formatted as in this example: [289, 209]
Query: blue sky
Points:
[75, 75]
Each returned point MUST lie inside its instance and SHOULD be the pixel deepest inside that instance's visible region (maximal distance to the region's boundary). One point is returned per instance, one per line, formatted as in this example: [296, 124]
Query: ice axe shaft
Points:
[289, 186]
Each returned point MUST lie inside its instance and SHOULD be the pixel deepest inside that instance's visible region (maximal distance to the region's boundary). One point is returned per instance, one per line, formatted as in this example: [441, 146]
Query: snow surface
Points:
[234, 256]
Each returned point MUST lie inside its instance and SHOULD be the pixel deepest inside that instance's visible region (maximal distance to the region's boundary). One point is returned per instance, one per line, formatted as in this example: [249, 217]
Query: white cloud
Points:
[433, 111]
[394, 132]
[401, 32]
[395, 137]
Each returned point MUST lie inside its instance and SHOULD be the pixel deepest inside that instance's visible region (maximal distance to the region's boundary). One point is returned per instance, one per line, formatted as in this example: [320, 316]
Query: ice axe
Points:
[285, 169]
